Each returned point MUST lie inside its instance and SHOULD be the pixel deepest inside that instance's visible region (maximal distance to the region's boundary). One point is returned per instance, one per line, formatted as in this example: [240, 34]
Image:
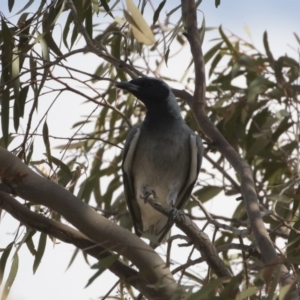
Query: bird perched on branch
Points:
[161, 159]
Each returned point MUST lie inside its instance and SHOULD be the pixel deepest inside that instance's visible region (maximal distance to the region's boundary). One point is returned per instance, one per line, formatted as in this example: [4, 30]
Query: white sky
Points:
[279, 18]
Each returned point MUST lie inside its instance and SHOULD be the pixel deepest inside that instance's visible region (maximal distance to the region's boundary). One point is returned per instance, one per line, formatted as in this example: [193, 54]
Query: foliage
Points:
[252, 98]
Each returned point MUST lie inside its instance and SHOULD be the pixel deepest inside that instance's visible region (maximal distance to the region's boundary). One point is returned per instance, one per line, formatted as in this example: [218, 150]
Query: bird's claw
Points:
[147, 192]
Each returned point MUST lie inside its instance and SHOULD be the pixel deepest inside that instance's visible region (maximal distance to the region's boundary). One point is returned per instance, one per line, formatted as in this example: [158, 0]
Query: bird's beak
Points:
[127, 86]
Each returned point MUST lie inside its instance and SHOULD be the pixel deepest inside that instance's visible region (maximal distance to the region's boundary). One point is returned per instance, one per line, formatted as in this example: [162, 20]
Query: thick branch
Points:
[30, 186]
[72, 236]
[244, 171]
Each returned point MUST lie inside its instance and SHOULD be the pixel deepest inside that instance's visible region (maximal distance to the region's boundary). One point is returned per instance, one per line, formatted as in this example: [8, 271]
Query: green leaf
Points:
[73, 258]
[52, 45]
[106, 7]
[11, 4]
[231, 287]
[212, 51]
[256, 87]
[61, 165]
[167, 56]
[214, 63]
[47, 142]
[285, 291]
[226, 40]
[29, 153]
[6, 51]
[11, 277]
[273, 283]
[64, 174]
[66, 30]
[40, 251]
[89, 20]
[293, 245]
[15, 72]
[29, 241]
[74, 36]
[79, 9]
[267, 48]
[247, 293]
[207, 291]
[5, 116]
[207, 193]
[3, 260]
[44, 46]
[102, 265]
[158, 10]
[22, 99]
[202, 31]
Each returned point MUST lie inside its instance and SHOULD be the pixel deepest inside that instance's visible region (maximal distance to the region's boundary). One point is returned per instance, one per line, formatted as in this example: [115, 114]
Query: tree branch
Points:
[72, 236]
[118, 64]
[244, 171]
[30, 186]
[199, 239]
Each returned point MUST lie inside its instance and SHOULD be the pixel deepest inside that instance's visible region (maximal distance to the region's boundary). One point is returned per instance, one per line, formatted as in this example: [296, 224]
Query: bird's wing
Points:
[196, 153]
[128, 155]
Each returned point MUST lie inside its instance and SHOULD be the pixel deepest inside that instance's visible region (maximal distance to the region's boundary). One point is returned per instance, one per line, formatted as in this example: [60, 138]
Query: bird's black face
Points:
[152, 92]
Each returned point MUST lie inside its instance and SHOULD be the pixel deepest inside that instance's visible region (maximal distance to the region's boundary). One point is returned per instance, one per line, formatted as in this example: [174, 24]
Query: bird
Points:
[162, 157]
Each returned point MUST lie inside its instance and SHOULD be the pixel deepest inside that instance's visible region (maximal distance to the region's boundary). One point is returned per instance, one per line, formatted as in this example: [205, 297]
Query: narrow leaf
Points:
[47, 142]
[73, 258]
[44, 46]
[267, 48]
[62, 166]
[30, 244]
[106, 7]
[5, 116]
[16, 86]
[11, 4]
[208, 192]
[89, 20]
[66, 30]
[167, 56]
[102, 265]
[40, 251]
[247, 293]
[22, 99]
[3, 260]
[140, 29]
[226, 40]
[202, 31]
[212, 51]
[11, 277]
[157, 12]
[29, 153]
[6, 51]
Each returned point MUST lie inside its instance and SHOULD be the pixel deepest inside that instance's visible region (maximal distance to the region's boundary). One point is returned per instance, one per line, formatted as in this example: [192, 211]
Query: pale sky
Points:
[52, 282]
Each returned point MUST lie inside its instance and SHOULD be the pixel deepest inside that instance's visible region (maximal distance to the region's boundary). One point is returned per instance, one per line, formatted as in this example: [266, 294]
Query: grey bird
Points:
[161, 159]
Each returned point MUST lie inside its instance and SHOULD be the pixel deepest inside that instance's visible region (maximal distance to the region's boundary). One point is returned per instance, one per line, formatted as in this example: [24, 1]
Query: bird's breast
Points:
[162, 159]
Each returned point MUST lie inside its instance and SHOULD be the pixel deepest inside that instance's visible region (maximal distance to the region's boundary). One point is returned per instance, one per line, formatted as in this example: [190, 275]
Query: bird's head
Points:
[153, 92]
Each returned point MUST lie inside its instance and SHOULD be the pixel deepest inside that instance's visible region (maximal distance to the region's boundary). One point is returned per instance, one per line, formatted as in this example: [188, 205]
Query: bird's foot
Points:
[175, 213]
[147, 193]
